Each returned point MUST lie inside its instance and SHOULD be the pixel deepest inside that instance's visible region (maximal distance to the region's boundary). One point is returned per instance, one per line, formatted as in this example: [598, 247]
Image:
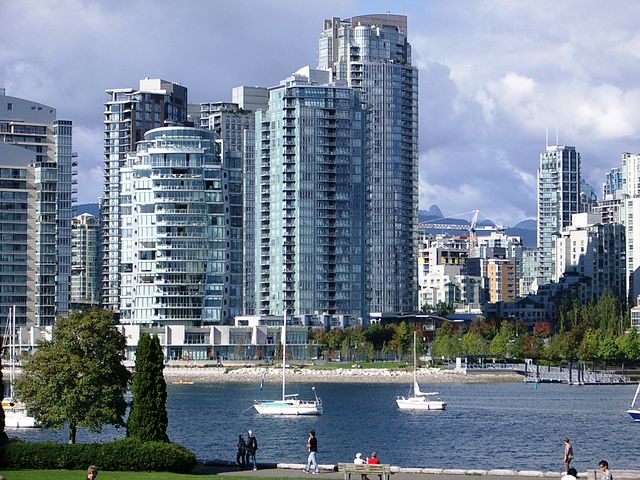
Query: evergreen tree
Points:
[148, 419]
[78, 378]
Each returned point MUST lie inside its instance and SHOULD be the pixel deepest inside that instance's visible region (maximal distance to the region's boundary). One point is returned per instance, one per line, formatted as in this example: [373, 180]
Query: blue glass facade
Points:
[309, 201]
[373, 55]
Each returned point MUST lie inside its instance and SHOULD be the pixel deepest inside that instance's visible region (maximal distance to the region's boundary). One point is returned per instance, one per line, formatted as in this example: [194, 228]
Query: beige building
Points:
[501, 277]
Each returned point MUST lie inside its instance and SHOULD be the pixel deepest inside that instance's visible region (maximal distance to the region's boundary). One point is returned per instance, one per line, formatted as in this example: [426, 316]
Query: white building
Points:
[593, 249]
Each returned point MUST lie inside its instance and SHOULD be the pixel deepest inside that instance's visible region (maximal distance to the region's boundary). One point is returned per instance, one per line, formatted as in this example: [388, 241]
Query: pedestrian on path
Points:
[568, 453]
[312, 448]
[604, 470]
[572, 474]
[242, 452]
[252, 447]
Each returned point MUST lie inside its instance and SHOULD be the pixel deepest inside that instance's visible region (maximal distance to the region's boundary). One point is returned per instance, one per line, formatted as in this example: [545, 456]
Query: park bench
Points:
[382, 470]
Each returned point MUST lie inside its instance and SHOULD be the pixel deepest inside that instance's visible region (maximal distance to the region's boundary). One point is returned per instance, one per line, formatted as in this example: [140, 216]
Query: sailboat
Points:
[289, 404]
[634, 412]
[15, 413]
[419, 400]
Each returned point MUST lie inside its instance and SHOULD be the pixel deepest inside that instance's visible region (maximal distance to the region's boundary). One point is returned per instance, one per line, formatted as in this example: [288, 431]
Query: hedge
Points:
[118, 455]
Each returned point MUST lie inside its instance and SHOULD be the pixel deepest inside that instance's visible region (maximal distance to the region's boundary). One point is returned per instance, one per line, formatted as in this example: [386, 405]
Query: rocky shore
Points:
[339, 375]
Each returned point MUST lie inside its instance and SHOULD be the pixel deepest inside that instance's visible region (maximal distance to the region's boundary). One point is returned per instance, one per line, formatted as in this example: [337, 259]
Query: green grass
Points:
[73, 474]
[349, 365]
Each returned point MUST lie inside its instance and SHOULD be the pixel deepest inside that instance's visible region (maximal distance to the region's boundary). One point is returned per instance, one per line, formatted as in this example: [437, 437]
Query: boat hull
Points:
[18, 418]
[293, 408]
[634, 413]
[419, 403]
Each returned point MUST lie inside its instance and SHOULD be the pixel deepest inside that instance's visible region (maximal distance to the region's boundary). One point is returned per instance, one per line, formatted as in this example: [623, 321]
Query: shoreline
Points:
[343, 375]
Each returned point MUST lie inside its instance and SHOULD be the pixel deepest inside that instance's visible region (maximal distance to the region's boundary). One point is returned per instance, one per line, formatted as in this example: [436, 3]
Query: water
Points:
[492, 425]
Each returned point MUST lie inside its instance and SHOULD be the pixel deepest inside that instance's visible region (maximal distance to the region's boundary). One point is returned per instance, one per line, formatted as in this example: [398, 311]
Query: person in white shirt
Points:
[358, 460]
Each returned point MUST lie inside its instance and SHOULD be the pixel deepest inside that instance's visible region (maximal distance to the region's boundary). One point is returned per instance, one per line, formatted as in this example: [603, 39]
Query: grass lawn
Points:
[78, 474]
[349, 365]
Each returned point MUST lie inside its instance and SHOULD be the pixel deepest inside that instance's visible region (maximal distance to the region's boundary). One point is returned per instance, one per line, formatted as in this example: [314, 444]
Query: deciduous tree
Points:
[78, 378]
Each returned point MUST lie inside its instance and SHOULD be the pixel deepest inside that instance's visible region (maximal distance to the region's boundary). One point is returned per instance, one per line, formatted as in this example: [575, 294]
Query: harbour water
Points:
[486, 425]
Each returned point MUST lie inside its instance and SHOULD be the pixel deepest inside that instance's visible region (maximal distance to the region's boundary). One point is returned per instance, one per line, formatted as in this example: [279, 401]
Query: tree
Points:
[502, 343]
[148, 419]
[473, 343]
[78, 378]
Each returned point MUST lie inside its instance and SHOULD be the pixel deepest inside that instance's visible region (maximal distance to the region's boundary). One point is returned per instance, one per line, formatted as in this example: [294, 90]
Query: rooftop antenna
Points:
[546, 129]
[557, 135]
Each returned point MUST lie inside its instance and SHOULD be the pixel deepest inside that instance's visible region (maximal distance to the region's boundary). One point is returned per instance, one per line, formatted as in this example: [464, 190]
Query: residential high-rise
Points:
[629, 216]
[371, 53]
[128, 114]
[234, 124]
[558, 199]
[309, 199]
[596, 250]
[501, 280]
[86, 261]
[613, 182]
[181, 230]
[18, 225]
[35, 127]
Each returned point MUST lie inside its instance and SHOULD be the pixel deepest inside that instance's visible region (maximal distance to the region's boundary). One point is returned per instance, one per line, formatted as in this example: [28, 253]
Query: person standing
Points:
[568, 453]
[252, 447]
[604, 470]
[242, 452]
[312, 448]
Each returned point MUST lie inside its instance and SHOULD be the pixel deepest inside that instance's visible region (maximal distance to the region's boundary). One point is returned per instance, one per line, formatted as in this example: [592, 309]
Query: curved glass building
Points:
[180, 230]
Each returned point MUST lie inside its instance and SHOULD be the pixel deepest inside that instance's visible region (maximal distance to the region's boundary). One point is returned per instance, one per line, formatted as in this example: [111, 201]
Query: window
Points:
[9, 106]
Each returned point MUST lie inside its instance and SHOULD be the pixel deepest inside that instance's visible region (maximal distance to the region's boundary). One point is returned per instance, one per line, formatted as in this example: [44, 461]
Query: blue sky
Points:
[494, 75]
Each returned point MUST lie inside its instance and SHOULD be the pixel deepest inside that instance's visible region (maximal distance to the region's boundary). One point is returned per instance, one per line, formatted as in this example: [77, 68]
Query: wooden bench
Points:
[382, 470]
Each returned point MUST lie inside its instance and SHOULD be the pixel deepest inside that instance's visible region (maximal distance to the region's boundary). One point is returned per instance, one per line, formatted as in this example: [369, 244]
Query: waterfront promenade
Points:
[398, 473]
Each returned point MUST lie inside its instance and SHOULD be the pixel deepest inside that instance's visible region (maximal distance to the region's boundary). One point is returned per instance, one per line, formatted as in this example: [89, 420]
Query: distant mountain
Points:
[526, 229]
[435, 211]
[90, 208]
[528, 224]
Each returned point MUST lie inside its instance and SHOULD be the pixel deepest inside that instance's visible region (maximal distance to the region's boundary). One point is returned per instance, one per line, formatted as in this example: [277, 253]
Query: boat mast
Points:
[284, 353]
[415, 358]
[12, 349]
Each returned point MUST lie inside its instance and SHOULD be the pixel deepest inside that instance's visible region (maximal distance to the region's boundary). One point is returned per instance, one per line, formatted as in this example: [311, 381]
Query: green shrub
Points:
[118, 455]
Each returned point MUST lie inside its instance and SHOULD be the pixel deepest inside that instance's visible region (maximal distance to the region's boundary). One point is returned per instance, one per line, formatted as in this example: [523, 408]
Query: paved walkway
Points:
[327, 472]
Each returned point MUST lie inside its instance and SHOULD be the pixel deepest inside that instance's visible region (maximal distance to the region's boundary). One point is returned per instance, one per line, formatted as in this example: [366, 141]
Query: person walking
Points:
[568, 453]
[242, 452]
[312, 448]
[604, 470]
[252, 447]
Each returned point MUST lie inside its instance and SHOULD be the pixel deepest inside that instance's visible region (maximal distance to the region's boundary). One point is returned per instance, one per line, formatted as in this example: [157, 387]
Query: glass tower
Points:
[34, 127]
[181, 230]
[372, 54]
[309, 199]
[128, 114]
[86, 265]
[558, 199]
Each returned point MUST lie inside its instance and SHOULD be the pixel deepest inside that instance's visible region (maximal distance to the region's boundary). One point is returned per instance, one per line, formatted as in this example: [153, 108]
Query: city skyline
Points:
[493, 77]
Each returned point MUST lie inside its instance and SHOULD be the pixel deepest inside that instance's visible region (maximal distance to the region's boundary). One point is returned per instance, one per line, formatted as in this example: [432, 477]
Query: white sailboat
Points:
[15, 413]
[419, 400]
[634, 412]
[289, 404]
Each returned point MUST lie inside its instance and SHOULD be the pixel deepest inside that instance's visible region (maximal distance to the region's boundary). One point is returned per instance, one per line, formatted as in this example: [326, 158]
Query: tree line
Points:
[597, 332]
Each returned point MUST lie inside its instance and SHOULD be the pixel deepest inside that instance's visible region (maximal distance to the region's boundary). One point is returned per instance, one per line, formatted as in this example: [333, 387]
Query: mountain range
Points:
[525, 229]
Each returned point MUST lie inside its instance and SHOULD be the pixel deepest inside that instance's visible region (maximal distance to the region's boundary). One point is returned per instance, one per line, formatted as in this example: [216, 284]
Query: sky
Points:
[494, 77]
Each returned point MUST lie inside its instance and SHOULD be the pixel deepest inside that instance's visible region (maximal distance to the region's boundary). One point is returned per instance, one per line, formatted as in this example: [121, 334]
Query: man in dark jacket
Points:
[252, 446]
[312, 447]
